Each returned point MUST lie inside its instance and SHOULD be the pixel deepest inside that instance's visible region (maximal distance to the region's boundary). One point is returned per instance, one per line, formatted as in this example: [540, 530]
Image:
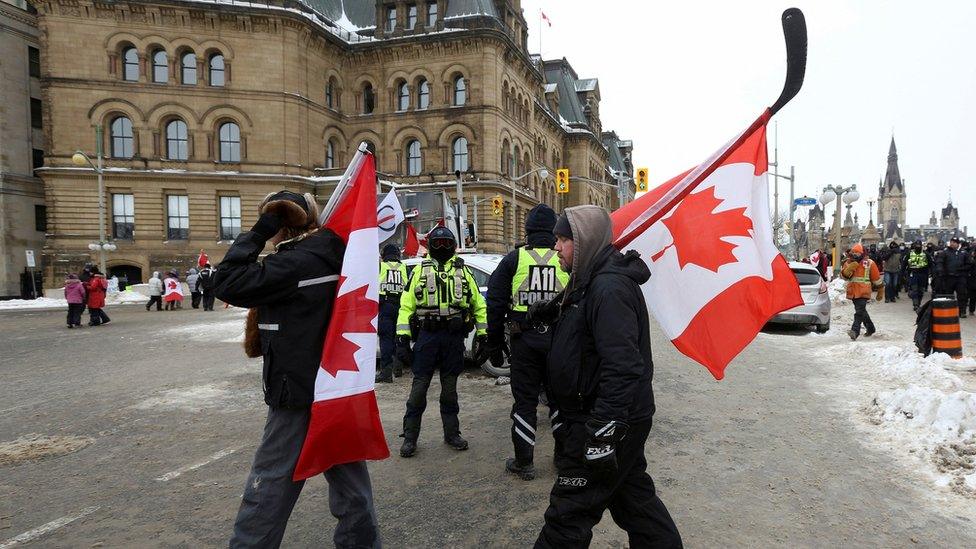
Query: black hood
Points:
[538, 227]
[630, 264]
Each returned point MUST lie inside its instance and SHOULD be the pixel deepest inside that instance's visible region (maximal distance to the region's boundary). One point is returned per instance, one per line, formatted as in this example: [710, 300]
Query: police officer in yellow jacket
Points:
[527, 275]
[393, 279]
[444, 303]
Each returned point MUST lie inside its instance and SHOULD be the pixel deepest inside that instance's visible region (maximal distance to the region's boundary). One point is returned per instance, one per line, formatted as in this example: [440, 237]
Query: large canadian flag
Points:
[716, 277]
[345, 424]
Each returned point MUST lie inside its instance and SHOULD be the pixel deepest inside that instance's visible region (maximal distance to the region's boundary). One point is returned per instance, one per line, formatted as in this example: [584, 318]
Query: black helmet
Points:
[441, 243]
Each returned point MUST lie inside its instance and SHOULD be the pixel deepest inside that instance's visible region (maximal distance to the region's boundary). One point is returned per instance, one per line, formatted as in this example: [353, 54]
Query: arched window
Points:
[516, 170]
[460, 91]
[330, 93]
[369, 99]
[217, 70]
[423, 94]
[330, 154]
[460, 156]
[188, 66]
[121, 134]
[414, 160]
[176, 140]
[130, 64]
[403, 96]
[230, 142]
[160, 67]
[503, 163]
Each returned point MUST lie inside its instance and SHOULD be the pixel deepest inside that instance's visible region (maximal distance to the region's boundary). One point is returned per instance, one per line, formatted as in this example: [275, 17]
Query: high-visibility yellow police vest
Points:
[393, 277]
[538, 277]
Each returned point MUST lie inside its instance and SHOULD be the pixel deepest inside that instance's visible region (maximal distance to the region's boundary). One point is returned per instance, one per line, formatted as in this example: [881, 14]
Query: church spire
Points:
[892, 179]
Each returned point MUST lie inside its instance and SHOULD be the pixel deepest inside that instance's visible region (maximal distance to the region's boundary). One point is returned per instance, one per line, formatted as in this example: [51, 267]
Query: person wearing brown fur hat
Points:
[291, 293]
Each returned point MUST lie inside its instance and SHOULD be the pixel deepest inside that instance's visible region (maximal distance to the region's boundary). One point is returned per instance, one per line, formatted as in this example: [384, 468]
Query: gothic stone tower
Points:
[891, 193]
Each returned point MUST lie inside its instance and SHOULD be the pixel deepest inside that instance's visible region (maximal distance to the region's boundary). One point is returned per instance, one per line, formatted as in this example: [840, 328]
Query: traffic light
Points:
[642, 180]
[562, 180]
[497, 205]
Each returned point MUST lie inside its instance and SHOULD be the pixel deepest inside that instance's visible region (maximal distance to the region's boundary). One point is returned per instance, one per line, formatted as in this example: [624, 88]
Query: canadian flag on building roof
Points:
[716, 277]
[546, 18]
[345, 424]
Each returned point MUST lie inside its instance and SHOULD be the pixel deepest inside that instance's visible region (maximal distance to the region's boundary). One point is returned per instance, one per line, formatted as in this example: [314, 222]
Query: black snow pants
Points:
[435, 350]
[528, 371]
[956, 285]
[580, 496]
[158, 300]
[208, 300]
[74, 313]
[861, 316]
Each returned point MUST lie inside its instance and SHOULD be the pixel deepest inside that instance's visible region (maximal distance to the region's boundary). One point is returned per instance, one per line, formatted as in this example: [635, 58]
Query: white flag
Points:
[389, 215]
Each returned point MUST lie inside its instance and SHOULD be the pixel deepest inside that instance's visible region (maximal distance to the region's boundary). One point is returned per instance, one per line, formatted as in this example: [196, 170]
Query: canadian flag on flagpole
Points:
[412, 245]
[716, 277]
[345, 424]
[546, 18]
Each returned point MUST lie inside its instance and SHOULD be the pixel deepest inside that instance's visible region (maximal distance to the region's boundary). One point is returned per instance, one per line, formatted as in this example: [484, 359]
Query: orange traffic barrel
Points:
[945, 327]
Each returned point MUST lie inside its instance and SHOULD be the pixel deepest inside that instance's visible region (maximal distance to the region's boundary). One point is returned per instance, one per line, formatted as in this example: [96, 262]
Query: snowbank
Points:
[117, 298]
[837, 290]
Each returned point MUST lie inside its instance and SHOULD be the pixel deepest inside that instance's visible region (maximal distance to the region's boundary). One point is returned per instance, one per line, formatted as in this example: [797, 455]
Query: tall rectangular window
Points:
[390, 19]
[230, 217]
[411, 17]
[123, 216]
[34, 61]
[40, 218]
[37, 157]
[37, 119]
[431, 14]
[177, 217]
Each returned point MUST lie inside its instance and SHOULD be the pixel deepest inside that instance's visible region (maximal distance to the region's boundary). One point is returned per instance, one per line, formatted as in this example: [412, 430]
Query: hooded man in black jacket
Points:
[290, 293]
[599, 379]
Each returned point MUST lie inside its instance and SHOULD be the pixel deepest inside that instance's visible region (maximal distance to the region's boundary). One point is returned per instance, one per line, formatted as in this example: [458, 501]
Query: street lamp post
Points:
[848, 195]
[81, 159]
[543, 174]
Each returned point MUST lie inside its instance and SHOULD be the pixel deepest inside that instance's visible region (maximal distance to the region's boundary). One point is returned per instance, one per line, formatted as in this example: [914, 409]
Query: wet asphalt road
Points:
[168, 412]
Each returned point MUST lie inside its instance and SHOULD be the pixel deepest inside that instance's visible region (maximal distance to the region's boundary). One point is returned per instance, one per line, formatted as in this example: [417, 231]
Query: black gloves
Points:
[267, 226]
[600, 452]
[480, 349]
[497, 353]
[544, 312]
[403, 352]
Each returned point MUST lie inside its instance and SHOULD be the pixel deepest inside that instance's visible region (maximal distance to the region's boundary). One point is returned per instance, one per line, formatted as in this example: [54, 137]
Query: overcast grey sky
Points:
[681, 78]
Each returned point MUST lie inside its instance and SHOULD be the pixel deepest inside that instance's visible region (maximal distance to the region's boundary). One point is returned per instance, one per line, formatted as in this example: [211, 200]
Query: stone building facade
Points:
[22, 207]
[207, 107]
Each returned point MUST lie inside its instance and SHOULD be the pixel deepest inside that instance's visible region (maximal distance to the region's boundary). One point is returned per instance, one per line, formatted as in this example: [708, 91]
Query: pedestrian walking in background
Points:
[918, 273]
[173, 291]
[291, 293]
[443, 299]
[96, 288]
[192, 280]
[155, 292]
[820, 261]
[527, 275]
[955, 265]
[863, 277]
[891, 257]
[393, 279]
[600, 370]
[205, 281]
[74, 294]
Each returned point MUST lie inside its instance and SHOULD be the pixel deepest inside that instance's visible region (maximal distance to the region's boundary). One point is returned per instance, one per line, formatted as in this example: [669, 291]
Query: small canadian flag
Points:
[546, 18]
[345, 424]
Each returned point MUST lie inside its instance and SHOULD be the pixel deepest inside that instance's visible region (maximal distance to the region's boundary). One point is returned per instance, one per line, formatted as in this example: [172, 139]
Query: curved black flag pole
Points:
[795, 34]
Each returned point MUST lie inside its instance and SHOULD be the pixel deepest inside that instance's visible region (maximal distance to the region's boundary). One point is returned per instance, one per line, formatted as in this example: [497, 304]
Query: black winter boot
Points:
[409, 448]
[524, 472]
[397, 367]
[452, 433]
[385, 375]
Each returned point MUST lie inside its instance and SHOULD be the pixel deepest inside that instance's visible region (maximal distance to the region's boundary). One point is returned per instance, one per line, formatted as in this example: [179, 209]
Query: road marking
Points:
[187, 468]
[31, 535]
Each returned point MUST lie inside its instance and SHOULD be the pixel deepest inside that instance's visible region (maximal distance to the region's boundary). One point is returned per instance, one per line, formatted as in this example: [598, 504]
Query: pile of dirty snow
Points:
[112, 298]
[926, 408]
[837, 290]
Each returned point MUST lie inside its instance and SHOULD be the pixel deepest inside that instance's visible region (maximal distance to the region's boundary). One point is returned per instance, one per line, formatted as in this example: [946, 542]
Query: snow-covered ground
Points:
[204, 329]
[115, 298]
[922, 410]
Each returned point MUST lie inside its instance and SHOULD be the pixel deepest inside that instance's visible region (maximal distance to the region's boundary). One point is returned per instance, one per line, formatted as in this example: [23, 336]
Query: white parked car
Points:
[815, 310]
[481, 265]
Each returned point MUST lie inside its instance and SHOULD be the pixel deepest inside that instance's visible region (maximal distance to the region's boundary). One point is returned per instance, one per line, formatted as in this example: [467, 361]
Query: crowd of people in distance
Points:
[169, 290]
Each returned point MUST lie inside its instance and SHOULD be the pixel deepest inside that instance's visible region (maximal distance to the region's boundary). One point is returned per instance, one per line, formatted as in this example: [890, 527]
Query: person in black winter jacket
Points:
[291, 294]
[599, 378]
[954, 265]
[526, 275]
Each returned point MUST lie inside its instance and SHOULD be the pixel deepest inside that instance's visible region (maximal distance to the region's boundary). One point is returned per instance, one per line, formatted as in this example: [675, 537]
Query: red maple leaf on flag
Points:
[354, 313]
[698, 231]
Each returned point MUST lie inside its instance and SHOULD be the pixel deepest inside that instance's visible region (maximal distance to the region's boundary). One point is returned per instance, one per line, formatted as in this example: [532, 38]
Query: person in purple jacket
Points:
[74, 293]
